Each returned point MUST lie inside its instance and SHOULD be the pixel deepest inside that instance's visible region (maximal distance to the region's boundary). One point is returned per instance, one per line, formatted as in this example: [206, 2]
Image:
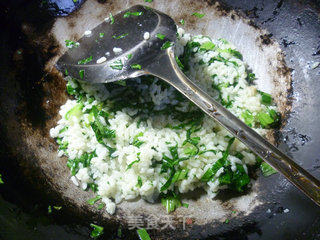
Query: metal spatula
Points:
[138, 41]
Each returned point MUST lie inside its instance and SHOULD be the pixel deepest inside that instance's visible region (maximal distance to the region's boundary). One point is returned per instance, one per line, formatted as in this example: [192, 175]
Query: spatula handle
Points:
[166, 68]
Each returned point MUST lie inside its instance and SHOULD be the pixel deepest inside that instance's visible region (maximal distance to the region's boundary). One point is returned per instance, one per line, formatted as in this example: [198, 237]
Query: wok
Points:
[32, 91]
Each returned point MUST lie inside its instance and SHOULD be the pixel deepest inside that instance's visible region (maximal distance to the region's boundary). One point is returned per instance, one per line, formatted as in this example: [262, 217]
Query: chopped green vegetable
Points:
[75, 111]
[275, 116]
[94, 200]
[188, 53]
[207, 46]
[85, 60]
[93, 187]
[160, 36]
[218, 58]
[171, 201]
[201, 62]
[57, 208]
[100, 206]
[120, 36]
[237, 180]
[209, 174]
[72, 90]
[81, 74]
[119, 232]
[54, 207]
[169, 164]
[265, 119]
[71, 44]
[266, 169]
[179, 63]
[63, 129]
[135, 66]
[234, 63]
[235, 53]
[136, 142]
[190, 149]
[182, 22]
[1, 181]
[226, 221]
[227, 103]
[251, 77]
[85, 159]
[265, 98]
[166, 45]
[180, 175]
[129, 56]
[97, 231]
[139, 183]
[225, 178]
[248, 117]
[143, 234]
[99, 129]
[101, 35]
[186, 205]
[149, 1]
[239, 155]
[198, 15]
[117, 65]
[205, 151]
[111, 18]
[128, 14]
[135, 161]
[62, 145]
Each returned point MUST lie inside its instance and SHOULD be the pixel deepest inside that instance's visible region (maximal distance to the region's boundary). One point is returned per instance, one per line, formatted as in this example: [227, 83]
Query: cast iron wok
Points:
[28, 110]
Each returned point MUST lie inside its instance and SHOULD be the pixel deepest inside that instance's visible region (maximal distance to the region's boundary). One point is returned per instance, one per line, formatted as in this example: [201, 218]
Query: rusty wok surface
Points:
[32, 94]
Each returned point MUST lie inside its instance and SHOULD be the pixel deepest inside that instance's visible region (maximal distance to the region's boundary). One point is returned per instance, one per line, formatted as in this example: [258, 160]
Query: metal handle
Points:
[166, 68]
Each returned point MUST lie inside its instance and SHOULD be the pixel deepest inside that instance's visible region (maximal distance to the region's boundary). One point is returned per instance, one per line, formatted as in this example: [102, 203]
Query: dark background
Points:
[294, 24]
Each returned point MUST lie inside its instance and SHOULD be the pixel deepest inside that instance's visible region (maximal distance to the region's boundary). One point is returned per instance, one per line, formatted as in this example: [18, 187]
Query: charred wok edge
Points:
[37, 118]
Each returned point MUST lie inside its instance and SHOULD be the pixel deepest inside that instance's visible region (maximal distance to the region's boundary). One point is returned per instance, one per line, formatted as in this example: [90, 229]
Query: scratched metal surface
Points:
[29, 109]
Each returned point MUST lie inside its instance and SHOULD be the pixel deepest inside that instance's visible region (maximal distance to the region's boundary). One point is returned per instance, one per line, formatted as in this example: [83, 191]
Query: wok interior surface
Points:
[32, 92]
